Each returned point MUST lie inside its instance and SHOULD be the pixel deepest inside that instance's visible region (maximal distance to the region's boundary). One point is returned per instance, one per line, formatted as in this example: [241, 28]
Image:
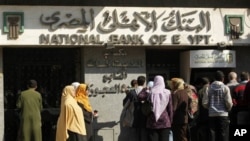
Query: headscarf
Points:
[71, 115]
[150, 84]
[177, 84]
[82, 97]
[159, 96]
[75, 84]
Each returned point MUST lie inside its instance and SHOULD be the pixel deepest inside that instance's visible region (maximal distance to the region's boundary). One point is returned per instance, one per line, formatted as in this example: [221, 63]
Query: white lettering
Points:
[240, 132]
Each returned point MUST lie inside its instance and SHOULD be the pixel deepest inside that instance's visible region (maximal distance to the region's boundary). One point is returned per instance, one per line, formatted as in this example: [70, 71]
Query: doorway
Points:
[162, 62]
[52, 68]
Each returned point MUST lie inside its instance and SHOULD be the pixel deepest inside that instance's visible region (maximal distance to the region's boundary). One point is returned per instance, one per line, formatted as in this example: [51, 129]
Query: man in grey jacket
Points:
[218, 101]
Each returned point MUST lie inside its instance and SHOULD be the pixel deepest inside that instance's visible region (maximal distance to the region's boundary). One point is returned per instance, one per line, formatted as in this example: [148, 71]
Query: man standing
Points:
[219, 102]
[232, 77]
[139, 122]
[30, 105]
[239, 104]
[202, 119]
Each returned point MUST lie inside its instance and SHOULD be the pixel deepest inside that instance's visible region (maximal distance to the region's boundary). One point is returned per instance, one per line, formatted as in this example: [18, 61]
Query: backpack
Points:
[146, 107]
[127, 115]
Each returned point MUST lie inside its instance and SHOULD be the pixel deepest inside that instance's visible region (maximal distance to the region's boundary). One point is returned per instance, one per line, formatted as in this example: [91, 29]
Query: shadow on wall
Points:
[103, 130]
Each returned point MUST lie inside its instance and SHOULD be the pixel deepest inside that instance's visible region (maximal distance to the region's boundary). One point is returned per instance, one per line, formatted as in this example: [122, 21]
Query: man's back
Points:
[219, 99]
[30, 105]
[238, 94]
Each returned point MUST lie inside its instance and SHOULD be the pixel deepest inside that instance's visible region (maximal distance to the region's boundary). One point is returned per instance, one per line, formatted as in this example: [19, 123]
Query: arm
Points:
[125, 99]
[88, 116]
[41, 102]
[228, 99]
[205, 99]
[19, 102]
[170, 108]
[174, 101]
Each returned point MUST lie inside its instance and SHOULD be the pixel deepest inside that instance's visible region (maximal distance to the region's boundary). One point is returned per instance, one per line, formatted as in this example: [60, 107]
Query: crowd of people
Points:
[161, 110]
[180, 111]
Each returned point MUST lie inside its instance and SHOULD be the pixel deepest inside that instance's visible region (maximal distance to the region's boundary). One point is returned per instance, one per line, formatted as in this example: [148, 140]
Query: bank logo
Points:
[234, 26]
[13, 24]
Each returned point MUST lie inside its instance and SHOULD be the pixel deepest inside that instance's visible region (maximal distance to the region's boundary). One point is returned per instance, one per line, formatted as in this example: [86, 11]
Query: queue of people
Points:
[161, 110]
[200, 112]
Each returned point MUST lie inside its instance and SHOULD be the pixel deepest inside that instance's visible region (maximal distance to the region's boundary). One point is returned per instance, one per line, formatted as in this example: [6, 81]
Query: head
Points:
[82, 90]
[219, 76]
[191, 87]
[68, 90]
[204, 81]
[159, 81]
[32, 84]
[201, 81]
[133, 83]
[176, 84]
[141, 80]
[75, 84]
[244, 76]
[150, 84]
[232, 76]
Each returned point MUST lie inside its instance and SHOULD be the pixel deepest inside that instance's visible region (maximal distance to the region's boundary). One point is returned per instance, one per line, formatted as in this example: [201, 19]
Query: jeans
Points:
[219, 128]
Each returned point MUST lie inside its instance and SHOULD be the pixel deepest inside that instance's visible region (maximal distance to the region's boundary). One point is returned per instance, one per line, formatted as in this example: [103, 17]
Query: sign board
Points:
[120, 26]
[212, 59]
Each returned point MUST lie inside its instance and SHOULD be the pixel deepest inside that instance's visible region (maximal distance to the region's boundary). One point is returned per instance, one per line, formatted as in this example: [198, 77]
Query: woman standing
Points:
[180, 108]
[70, 124]
[83, 101]
[159, 121]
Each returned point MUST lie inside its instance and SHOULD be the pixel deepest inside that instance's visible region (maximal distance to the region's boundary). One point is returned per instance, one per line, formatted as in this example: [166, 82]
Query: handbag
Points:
[127, 115]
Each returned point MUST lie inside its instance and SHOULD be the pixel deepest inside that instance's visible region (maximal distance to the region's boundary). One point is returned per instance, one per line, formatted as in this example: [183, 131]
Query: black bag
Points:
[127, 116]
[146, 107]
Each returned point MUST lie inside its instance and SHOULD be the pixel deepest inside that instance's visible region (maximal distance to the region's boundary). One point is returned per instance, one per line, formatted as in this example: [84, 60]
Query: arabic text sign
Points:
[113, 19]
[212, 59]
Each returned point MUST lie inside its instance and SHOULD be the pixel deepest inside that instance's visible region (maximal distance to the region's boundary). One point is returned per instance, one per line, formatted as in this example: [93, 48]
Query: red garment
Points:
[247, 94]
[238, 95]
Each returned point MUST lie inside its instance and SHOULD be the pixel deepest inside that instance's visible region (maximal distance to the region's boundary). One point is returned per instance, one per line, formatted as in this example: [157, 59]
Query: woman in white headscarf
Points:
[70, 124]
[159, 121]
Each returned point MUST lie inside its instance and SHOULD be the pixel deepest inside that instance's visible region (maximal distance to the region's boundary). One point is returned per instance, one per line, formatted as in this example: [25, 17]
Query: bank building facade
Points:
[107, 47]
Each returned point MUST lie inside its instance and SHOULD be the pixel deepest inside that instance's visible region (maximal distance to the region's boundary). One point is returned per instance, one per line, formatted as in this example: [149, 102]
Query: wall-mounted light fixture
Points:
[221, 45]
[109, 45]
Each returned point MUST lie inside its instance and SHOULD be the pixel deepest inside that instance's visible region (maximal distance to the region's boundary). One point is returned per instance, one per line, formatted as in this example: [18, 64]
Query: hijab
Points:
[177, 84]
[159, 96]
[75, 84]
[71, 116]
[82, 97]
[150, 84]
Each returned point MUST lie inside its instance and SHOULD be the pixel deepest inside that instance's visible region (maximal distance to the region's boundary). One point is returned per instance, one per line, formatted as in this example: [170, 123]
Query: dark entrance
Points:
[53, 68]
[209, 73]
[162, 62]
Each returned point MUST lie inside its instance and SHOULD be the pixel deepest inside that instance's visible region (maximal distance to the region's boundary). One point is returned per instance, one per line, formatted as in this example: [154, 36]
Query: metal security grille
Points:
[52, 68]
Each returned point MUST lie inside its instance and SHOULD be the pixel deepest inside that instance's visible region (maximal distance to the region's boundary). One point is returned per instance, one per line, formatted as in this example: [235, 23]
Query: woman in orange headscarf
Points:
[83, 101]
